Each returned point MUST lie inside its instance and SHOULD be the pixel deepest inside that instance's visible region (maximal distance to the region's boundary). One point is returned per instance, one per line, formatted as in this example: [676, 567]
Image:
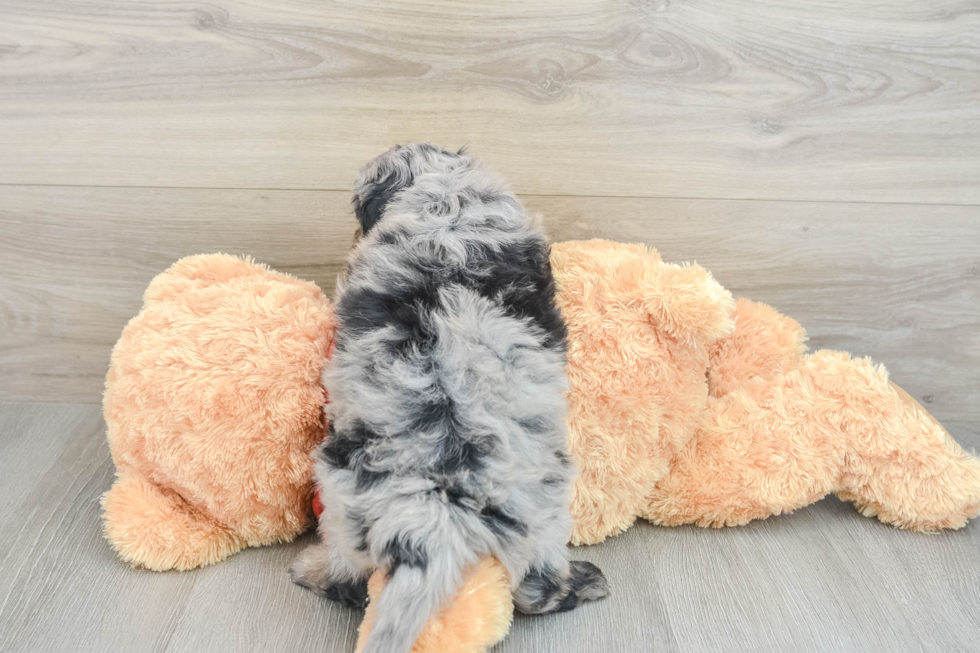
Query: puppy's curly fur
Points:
[447, 438]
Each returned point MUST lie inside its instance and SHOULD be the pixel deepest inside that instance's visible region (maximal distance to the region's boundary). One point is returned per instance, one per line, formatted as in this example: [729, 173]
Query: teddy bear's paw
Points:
[476, 619]
[153, 528]
[901, 465]
[929, 488]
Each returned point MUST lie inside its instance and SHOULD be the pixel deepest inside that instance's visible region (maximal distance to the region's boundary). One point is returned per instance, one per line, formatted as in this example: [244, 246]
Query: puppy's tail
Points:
[422, 577]
[410, 597]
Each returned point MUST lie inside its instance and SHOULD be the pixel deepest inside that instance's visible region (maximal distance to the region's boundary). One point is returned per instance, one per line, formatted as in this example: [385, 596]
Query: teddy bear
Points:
[685, 406]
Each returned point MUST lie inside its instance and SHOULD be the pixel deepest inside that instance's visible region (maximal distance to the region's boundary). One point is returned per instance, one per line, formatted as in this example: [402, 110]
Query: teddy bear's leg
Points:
[156, 529]
[755, 454]
[476, 619]
[903, 466]
[833, 424]
[765, 344]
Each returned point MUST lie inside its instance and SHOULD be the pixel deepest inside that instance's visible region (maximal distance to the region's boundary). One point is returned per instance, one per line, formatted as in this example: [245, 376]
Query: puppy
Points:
[447, 436]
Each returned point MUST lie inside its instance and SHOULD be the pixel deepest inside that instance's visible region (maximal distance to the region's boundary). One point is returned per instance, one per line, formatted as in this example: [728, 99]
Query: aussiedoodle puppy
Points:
[447, 436]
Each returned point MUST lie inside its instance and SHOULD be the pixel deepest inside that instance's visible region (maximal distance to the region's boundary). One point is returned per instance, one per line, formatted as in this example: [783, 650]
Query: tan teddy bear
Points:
[685, 407]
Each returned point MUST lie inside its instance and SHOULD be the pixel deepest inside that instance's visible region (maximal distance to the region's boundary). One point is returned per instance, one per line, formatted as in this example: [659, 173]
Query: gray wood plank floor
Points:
[822, 579]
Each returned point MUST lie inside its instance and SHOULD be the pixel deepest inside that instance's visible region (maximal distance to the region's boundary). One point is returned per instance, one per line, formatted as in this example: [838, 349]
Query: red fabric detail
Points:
[317, 504]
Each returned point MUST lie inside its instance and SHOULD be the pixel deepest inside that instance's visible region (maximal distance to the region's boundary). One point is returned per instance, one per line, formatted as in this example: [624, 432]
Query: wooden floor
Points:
[824, 578]
[822, 156]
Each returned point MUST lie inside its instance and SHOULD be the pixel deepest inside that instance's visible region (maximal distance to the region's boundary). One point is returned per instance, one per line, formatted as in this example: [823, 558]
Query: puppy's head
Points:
[395, 170]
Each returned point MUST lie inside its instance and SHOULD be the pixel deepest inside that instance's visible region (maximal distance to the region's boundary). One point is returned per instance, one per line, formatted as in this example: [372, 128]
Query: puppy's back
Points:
[450, 348]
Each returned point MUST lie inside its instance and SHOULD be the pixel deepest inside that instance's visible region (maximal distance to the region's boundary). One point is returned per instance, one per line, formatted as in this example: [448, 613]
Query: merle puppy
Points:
[447, 437]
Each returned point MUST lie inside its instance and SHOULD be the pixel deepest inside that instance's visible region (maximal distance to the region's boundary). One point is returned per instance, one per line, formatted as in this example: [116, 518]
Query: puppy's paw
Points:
[588, 583]
[311, 569]
[544, 591]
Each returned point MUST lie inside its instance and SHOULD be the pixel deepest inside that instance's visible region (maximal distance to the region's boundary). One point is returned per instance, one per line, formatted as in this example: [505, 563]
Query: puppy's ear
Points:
[371, 200]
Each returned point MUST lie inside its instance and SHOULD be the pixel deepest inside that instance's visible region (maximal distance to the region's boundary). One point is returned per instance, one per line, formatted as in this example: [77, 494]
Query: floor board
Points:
[821, 579]
[824, 100]
[61, 586]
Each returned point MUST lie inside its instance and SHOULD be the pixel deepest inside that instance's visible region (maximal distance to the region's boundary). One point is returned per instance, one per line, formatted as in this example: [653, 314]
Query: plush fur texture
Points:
[753, 427]
[787, 429]
[447, 437]
[213, 404]
[638, 336]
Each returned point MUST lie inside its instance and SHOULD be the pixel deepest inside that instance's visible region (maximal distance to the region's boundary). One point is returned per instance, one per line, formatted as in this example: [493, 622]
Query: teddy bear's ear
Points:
[687, 303]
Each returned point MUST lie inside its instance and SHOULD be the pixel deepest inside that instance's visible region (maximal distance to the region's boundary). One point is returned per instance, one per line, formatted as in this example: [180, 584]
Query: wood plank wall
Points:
[823, 157]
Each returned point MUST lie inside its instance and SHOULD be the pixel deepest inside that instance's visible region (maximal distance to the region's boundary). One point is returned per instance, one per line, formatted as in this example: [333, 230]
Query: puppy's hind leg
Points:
[324, 570]
[554, 584]
[548, 589]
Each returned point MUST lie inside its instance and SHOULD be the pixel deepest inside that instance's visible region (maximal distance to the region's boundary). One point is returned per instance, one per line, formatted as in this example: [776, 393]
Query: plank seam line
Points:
[568, 195]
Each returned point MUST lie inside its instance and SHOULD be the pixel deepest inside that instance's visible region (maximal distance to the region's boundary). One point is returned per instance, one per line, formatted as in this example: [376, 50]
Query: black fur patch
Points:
[357, 520]
[501, 523]
[401, 552]
[340, 447]
[585, 578]
[370, 209]
[365, 478]
[518, 276]
[353, 594]
[544, 590]
[542, 585]
[362, 310]
[462, 453]
[337, 451]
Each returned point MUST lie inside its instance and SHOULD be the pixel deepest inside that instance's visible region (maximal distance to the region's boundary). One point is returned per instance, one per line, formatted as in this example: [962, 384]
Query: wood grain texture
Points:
[822, 100]
[61, 587]
[900, 283]
[77, 260]
[822, 579]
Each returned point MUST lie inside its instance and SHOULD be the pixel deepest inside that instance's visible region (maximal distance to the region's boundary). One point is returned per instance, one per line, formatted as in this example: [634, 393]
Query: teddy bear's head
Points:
[213, 405]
